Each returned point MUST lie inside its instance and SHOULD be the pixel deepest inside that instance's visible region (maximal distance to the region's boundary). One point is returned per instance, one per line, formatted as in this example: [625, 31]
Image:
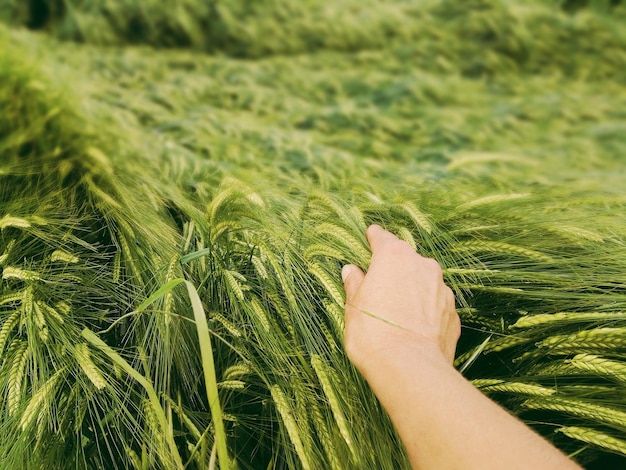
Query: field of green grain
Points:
[181, 182]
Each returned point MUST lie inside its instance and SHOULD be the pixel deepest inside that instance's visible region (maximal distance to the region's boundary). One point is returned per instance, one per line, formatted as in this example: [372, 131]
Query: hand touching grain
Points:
[415, 309]
[401, 333]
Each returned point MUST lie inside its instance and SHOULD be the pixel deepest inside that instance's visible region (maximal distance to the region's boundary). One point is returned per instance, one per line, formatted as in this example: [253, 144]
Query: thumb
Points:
[352, 278]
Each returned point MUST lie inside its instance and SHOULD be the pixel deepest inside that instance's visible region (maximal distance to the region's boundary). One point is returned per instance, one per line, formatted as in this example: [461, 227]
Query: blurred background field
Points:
[244, 146]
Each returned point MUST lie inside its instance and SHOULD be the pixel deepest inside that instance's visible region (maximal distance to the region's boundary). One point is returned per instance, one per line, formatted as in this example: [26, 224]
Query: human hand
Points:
[401, 306]
[401, 333]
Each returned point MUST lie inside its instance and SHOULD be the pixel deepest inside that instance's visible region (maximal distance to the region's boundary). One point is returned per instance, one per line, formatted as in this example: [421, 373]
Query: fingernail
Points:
[345, 271]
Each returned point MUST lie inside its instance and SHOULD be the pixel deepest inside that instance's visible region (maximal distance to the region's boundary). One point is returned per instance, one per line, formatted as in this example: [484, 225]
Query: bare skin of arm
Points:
[442, 419]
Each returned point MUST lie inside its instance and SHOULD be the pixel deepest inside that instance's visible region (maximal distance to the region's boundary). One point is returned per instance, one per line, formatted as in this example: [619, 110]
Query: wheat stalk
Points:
[325, 437]
[13, 297]
[286, 414]
[320, 371]
[50, 312]
[541, 319]
[231, 385]
[502, 248]
[237, 370]
[336, 314]
[598, 339]
[419, 218]
[599, 366]
[343, 237]
[258, 311]
[233, 280]
[592, 436]
[491, 385]
[259, 267]
[318, 249]
[17, 222]
[491, 199]
[63, 256]
[327, 282]
[230, 327]
[11, 272]
[594, 412]
[45, 393]
[8, 325]
[83, 357]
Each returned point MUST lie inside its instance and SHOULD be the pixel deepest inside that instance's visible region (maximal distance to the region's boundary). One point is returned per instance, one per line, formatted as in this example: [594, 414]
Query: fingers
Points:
[352, 279]
[378, 237]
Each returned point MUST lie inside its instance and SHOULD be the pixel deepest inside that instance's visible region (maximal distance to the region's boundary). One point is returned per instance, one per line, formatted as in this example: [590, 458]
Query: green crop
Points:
[241, 149]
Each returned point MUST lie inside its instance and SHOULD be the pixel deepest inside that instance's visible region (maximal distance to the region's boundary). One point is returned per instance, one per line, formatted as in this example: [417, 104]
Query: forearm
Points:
[401, 333]
[446, 423]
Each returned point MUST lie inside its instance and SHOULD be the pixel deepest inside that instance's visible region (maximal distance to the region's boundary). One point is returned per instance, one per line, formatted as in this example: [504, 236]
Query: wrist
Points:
[399, 364]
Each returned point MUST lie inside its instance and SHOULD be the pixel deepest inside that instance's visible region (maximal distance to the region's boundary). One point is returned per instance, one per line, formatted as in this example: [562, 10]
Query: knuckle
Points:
[456, 325]
[348, 345]
[351, 347]
[433, 266]
[449, 293]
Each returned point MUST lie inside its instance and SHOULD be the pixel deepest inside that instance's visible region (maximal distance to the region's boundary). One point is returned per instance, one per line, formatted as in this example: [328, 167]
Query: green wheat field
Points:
[181, 182]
